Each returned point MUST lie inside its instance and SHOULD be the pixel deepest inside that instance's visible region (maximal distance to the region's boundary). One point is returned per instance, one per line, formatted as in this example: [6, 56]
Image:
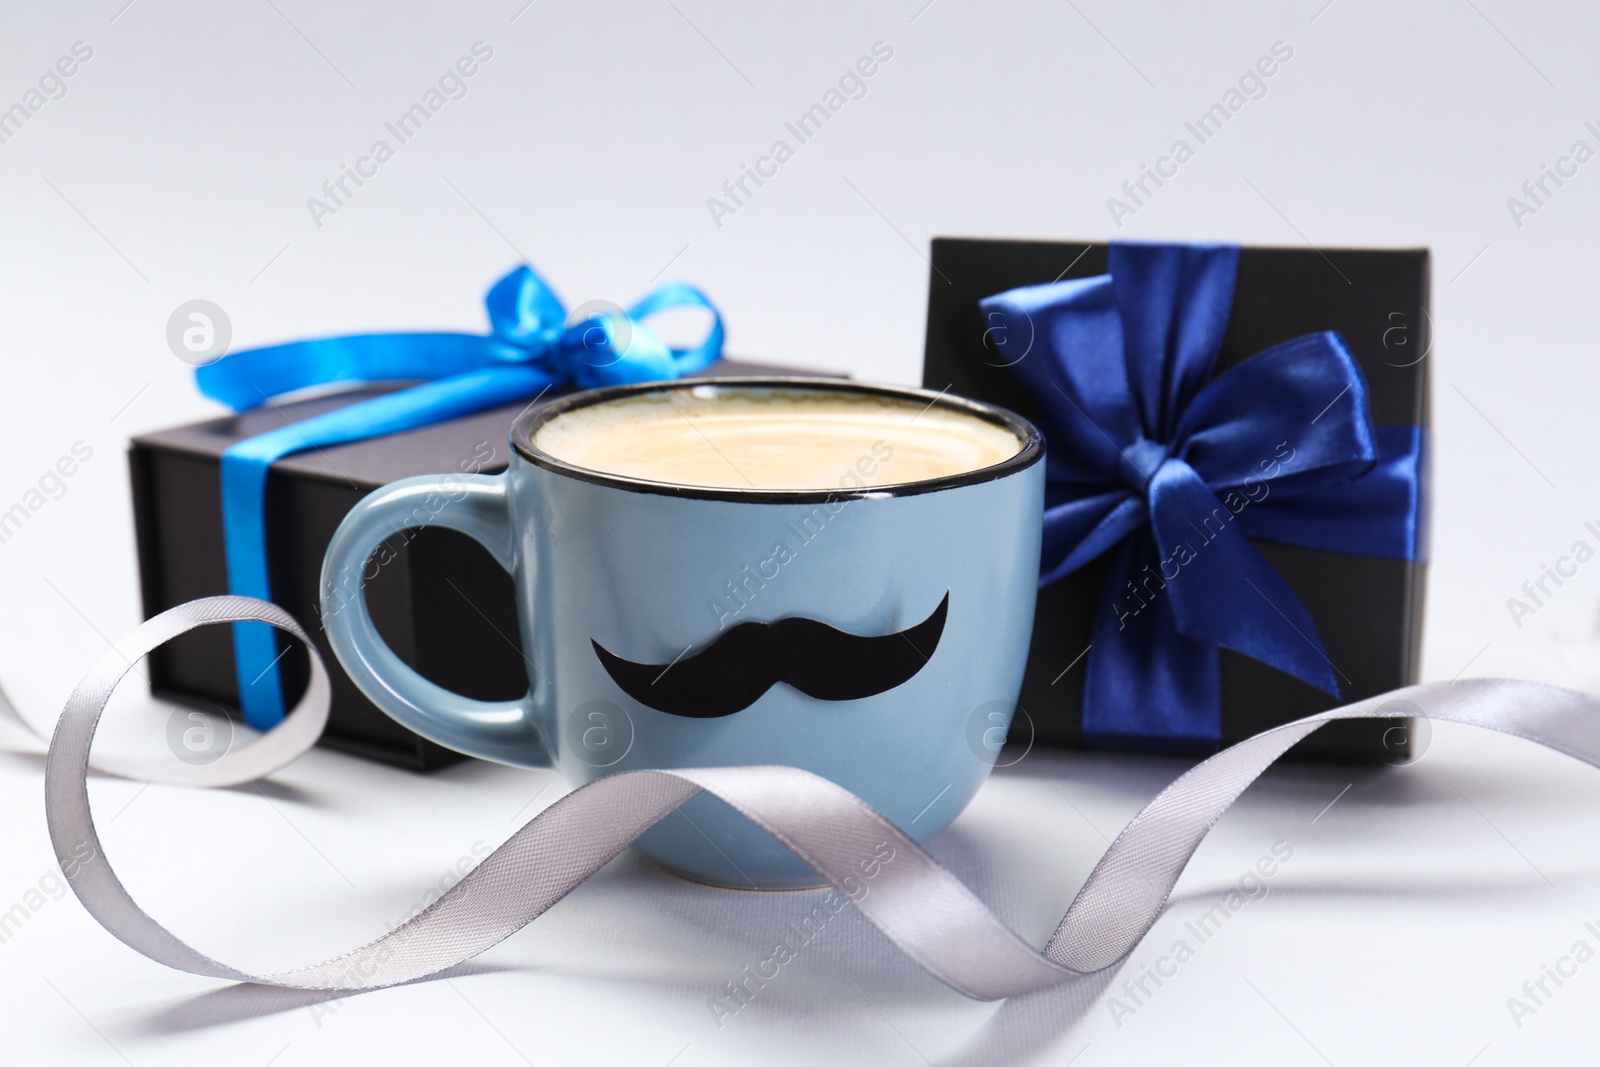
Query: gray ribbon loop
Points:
[923, 908]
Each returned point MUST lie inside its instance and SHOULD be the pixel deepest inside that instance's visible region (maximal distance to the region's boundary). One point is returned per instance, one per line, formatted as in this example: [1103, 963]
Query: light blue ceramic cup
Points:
[618, 578]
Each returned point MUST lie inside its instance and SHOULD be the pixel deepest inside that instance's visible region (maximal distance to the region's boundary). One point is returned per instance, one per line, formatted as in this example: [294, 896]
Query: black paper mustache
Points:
[734, 671]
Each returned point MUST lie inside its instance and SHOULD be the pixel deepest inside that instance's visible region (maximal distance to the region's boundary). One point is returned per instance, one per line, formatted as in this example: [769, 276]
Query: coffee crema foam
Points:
[725, 437]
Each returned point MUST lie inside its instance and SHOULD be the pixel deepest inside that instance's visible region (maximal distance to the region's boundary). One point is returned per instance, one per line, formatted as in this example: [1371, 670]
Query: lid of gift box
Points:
[379, 460]
[1376, 298]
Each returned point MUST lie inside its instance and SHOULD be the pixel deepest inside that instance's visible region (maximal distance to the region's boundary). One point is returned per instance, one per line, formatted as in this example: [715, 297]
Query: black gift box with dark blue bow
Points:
[1236, 516]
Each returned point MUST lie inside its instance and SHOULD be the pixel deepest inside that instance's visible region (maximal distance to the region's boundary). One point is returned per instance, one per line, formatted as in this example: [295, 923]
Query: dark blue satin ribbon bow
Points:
[1171, 470]
[530, 348]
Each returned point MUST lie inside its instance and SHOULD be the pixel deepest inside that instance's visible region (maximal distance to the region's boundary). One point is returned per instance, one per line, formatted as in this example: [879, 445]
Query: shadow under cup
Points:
[874, 634]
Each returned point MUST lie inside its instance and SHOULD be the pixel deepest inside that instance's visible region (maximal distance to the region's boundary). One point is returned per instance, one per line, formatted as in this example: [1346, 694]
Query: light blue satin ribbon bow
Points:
[530, 348]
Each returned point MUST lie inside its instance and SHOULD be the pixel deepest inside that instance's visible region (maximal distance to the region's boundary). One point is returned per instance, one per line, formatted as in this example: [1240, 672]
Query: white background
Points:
[178, 166]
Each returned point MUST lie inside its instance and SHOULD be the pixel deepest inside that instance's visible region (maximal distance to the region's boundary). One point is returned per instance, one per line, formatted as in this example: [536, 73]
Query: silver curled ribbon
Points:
[920, 906]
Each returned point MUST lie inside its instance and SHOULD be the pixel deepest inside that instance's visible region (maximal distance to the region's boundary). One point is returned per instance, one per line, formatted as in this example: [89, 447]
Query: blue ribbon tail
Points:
[1221, 589]
[1078, 530]
[1147, 686]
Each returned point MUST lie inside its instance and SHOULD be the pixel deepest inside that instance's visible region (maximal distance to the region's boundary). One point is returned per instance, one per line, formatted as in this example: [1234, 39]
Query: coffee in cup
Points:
[775, 439]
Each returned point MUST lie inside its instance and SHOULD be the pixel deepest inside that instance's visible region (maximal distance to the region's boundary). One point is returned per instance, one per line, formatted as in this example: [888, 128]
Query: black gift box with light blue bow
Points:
[993, 301]
[442, 603]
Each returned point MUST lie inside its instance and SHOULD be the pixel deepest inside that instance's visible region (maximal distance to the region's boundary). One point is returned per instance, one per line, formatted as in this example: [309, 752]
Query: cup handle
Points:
[478, 506]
